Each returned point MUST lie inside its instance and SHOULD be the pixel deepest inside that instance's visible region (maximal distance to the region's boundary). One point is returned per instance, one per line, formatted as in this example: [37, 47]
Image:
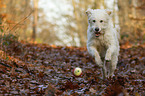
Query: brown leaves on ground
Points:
[40, 69]
[116, 87]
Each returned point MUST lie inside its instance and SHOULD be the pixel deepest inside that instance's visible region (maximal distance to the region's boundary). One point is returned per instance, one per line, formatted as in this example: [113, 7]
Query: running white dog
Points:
[102, 41]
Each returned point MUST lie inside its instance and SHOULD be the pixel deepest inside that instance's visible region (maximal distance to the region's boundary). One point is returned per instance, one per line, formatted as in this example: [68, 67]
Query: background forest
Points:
[29, 20]
[42, 41]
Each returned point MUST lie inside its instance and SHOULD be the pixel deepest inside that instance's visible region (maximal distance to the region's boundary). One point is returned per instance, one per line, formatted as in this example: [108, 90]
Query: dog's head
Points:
[98, 20]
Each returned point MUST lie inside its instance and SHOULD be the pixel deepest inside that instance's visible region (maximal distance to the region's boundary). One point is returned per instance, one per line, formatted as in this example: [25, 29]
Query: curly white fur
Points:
[104, 47]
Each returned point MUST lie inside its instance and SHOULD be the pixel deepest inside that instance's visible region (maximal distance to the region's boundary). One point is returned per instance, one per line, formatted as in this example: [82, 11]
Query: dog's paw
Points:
[108, 57]
[99, 63]
[111, 75]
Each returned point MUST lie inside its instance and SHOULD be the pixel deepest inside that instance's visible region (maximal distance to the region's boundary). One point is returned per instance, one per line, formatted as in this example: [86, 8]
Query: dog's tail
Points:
[117, 27]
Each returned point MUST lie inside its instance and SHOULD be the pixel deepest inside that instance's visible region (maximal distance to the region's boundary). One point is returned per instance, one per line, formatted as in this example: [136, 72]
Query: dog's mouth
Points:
[97, 34]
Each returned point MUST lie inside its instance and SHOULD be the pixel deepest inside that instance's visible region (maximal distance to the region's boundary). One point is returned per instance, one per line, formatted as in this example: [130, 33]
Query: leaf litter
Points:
[40, 69]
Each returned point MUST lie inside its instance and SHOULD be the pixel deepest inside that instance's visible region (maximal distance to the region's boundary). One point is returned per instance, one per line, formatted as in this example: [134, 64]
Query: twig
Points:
[5, 65]
[9, 67]
[22, 20]
[135, 18]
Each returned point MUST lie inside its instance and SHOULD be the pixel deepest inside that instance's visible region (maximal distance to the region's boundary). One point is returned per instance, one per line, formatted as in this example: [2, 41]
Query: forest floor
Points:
[40, 69]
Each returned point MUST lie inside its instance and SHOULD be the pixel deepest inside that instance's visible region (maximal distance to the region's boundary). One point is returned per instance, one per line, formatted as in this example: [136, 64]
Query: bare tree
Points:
[131, 15]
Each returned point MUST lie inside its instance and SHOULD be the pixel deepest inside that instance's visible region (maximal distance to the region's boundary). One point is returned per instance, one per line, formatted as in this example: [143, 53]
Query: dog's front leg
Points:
[93, 51]
[109, 53]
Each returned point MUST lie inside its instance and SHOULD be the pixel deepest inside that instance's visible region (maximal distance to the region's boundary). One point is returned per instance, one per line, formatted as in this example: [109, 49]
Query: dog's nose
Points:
[96, 29]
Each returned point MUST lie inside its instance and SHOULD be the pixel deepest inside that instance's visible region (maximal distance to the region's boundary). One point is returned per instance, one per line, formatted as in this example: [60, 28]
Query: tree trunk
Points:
[35, 2]
[134, 4]
[116, 18]
[79, 28]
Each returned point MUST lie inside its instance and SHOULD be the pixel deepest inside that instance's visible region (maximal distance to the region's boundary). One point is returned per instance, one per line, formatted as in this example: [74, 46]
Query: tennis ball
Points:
[77, 71]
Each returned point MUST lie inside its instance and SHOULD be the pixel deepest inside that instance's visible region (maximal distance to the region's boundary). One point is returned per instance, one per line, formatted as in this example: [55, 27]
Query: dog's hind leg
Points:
[104, 70]
[113, 65]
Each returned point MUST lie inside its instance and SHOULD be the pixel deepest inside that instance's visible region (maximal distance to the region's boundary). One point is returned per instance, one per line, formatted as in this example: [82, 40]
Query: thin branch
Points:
[9, 67]
[135, 18]
[22, 20]
[142, 6]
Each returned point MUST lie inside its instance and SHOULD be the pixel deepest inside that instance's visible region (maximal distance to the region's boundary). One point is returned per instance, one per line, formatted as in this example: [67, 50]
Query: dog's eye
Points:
[94, 21]
[101, 21]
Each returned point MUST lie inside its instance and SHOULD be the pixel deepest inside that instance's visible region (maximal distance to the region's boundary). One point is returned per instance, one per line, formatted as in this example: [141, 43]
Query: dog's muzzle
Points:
[97, 32]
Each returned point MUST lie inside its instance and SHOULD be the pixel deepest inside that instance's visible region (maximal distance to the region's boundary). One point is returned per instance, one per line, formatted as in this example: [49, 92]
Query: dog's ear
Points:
[89, 12]
[109, 12]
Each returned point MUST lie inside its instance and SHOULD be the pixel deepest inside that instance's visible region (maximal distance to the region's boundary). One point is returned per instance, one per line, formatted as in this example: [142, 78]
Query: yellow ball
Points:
[77, 71]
